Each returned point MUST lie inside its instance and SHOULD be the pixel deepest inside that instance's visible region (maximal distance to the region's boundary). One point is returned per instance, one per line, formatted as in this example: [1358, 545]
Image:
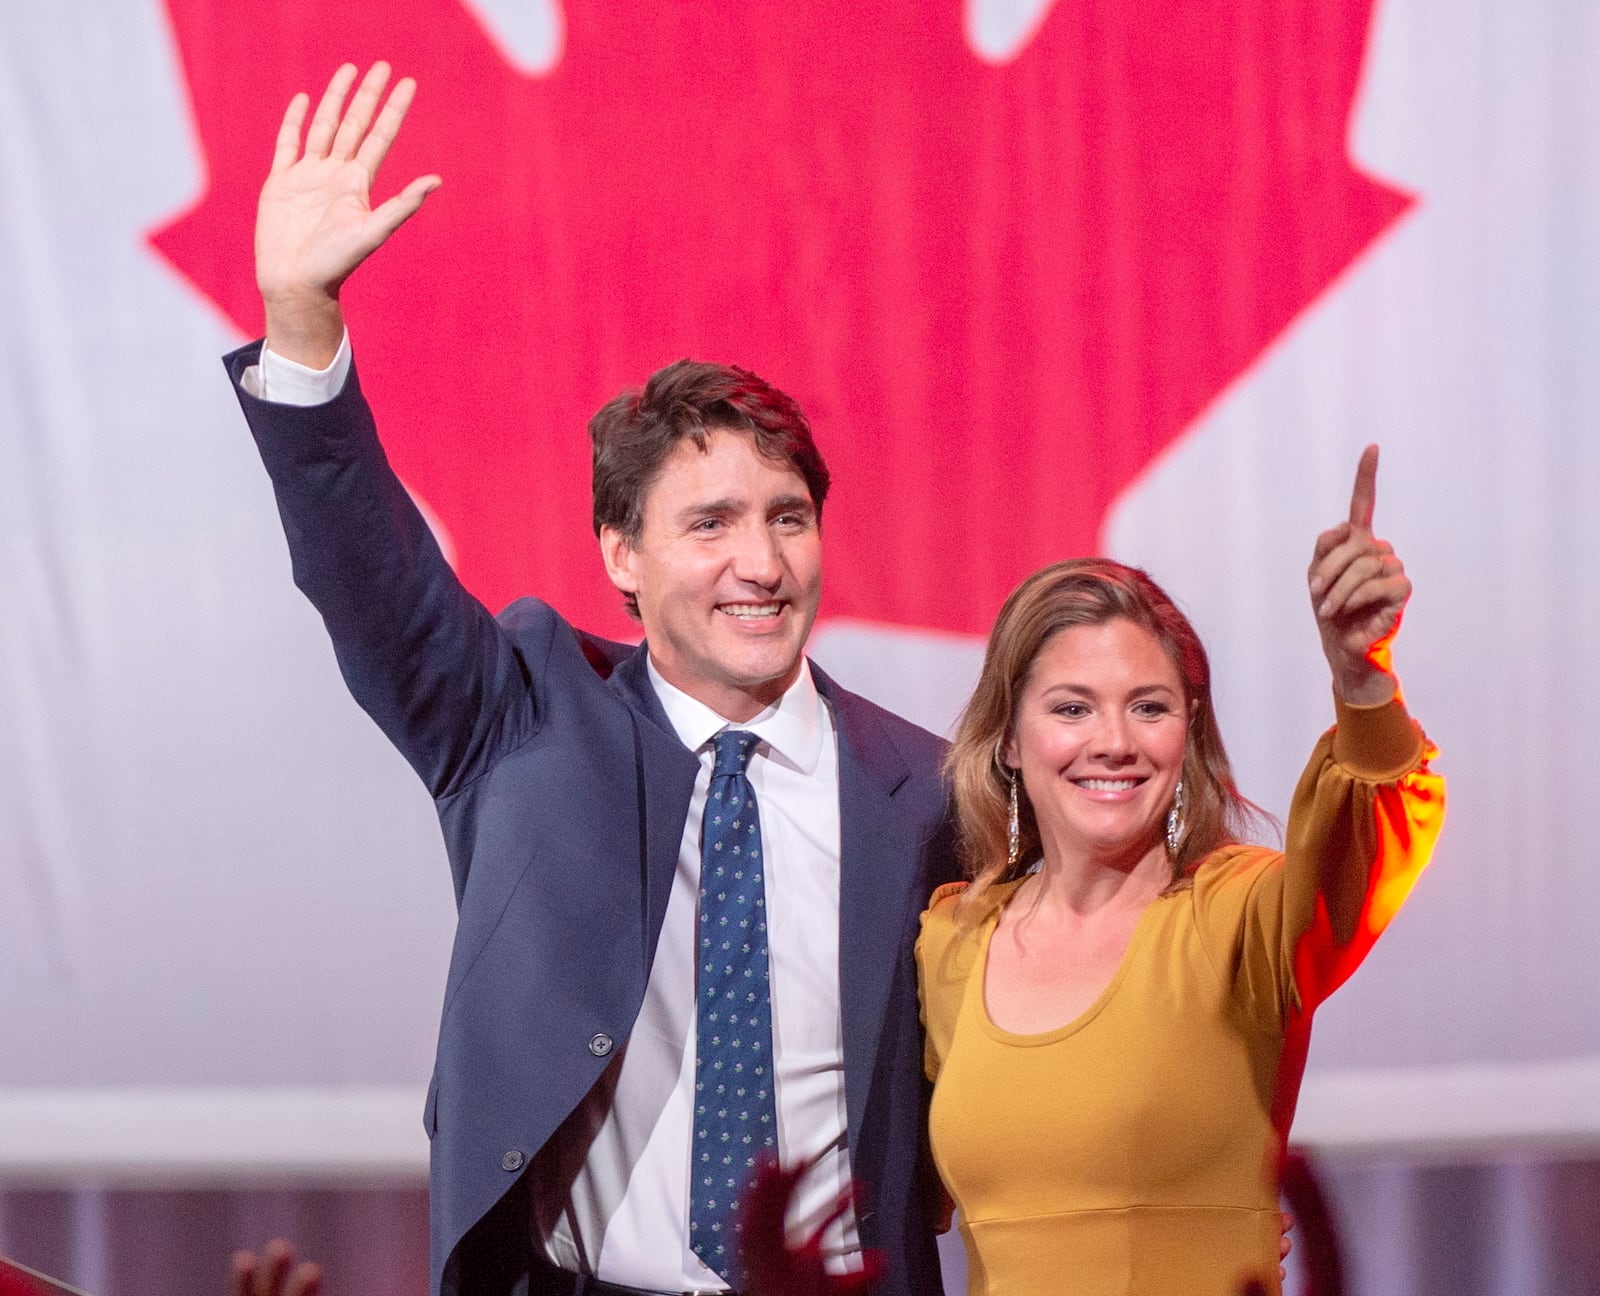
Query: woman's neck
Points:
[1087, 886]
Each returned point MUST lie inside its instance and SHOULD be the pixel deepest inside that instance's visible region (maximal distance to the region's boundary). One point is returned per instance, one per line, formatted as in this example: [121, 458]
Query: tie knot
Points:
[733, 751]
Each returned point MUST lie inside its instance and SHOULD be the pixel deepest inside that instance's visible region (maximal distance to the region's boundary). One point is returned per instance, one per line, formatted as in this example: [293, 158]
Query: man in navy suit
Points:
[572, 775]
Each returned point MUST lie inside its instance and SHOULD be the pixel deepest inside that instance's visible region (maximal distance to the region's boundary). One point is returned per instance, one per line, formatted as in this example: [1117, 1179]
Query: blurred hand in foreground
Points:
[274, 1273]
[774, 1267]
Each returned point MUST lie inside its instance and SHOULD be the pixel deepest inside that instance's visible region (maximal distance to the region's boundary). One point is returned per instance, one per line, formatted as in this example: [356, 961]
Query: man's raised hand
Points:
[315, 223]
[1359, 589]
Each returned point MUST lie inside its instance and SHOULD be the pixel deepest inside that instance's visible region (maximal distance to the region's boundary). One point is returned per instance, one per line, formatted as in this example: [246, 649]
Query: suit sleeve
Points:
[1289, 929]
[423, 657]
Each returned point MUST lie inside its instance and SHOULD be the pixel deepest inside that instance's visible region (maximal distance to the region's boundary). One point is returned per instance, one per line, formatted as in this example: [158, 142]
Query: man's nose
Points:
[757, 558]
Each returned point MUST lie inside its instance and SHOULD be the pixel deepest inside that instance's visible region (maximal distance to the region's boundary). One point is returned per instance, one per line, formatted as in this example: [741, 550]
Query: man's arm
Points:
[419, 653]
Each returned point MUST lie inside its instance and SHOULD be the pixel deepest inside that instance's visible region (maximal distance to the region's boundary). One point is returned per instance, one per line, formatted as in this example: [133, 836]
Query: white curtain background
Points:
[224, 913]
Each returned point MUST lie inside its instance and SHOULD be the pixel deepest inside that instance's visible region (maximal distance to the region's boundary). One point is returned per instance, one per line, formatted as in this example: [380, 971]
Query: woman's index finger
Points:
[1364, 495]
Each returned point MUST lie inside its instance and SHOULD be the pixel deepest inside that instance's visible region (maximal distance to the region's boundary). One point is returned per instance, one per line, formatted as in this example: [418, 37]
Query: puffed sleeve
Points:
[944, 962]
[1287, 930]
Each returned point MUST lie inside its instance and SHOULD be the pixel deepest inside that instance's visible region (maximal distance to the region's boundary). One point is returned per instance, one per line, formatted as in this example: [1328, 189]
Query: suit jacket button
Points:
[512, 1160]
[600, 1045]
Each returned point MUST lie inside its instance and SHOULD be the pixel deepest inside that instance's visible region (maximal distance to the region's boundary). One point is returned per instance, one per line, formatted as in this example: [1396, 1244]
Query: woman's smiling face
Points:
[1099, 736]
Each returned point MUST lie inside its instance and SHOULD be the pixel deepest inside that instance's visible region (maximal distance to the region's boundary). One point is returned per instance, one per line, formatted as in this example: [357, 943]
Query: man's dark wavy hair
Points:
[635, 432]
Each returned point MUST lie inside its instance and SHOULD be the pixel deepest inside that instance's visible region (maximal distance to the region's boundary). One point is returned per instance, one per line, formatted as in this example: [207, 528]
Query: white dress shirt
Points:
[286, 382]
[610, 1194]
[624, 1213]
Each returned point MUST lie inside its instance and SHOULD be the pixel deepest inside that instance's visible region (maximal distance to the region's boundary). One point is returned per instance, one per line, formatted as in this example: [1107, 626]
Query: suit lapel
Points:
[667, 771]
[876, 842]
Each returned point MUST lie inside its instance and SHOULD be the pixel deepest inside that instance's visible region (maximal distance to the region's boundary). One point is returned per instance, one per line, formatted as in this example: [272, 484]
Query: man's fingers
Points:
[320, 137]
[286, 148]
[374, 147]
[1365, 492]
[390, 216]
[358, 116]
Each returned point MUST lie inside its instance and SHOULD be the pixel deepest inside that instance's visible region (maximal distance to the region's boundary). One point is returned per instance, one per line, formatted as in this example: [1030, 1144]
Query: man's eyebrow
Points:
[729, 506]
[713, 507]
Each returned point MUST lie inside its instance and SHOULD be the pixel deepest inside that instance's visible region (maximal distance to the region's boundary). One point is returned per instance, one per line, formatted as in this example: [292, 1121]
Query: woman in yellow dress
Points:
[1117, 1005]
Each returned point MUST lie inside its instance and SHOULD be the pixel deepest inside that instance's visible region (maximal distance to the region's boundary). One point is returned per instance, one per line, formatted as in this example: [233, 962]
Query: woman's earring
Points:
[1175, 821]
[1013, 831]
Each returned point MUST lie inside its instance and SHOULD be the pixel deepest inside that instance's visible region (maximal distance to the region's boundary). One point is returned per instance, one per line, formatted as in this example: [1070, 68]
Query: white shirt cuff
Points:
[285, 382]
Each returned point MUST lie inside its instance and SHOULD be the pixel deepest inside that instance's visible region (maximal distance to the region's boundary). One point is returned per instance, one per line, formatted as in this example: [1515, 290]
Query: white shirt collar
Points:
[792, 727]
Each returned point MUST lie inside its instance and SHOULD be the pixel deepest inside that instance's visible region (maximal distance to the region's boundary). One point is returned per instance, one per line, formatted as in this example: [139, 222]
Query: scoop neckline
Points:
[1034, 1039]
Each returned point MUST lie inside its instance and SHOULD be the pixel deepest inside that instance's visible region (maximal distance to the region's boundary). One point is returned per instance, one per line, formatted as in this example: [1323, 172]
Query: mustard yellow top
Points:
[1134, 1149]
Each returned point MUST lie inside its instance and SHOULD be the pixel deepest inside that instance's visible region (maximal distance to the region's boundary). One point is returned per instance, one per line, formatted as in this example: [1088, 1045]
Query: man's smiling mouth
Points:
[751, 611]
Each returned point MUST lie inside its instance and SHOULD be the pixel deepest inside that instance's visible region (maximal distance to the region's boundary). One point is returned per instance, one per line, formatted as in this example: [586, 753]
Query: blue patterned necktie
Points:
[735, 1115]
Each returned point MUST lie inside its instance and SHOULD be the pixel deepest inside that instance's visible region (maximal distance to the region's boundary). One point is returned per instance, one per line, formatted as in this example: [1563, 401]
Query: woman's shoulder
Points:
[946, 905]
[1235, 869]
[939, 918]
[1230, 885]
[949, 926]
[1237, 859]
[944, 897]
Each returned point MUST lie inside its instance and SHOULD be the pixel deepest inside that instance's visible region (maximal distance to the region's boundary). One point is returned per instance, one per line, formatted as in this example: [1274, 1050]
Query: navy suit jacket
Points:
[562, 791]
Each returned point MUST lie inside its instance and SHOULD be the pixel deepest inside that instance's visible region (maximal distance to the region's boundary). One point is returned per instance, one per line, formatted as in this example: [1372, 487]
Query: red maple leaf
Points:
[999, 292]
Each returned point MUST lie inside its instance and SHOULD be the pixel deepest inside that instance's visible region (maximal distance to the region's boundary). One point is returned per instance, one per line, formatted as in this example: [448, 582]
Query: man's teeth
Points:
[752, 611]
[1108, 785]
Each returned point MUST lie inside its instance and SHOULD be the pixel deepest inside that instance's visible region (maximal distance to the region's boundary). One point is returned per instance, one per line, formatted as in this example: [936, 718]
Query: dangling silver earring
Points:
[1175, 824]
[1013, 831]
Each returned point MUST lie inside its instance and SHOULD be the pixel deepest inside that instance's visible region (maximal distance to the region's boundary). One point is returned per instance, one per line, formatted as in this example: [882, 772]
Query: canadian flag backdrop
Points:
[1050, 278]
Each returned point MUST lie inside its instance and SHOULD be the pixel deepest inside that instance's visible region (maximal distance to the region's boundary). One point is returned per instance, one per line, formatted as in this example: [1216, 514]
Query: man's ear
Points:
[618, 556]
